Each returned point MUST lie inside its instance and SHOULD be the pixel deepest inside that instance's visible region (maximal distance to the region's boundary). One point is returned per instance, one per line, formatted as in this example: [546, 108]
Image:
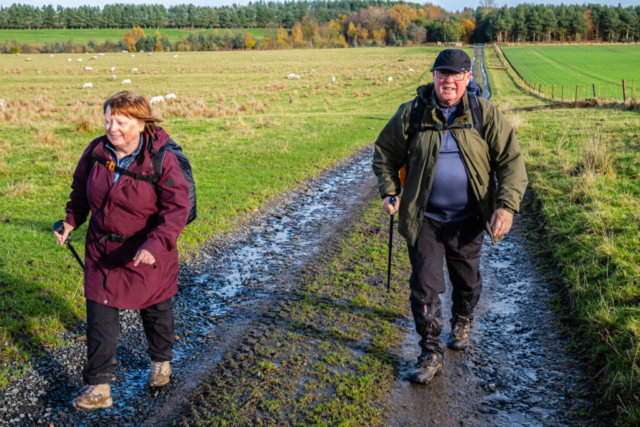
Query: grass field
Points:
[82, 37]
[569, 66]
[249, 132]
[584, 166]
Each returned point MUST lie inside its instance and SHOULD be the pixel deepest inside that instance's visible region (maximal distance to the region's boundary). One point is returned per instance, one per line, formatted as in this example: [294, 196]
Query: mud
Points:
[222, 291]
[515, 371]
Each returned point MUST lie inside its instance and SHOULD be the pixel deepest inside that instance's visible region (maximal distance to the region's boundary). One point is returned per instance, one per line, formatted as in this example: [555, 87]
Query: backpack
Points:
[415, 124]
[157, 160]
[474, 88]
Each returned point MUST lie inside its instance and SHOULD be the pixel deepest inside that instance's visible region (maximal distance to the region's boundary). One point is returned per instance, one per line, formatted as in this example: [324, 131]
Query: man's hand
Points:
[388, 207]
[501, 222]
[143, 256]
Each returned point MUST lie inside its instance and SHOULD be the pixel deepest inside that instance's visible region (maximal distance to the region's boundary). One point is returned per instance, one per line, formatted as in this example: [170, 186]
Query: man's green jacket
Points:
[495, 164]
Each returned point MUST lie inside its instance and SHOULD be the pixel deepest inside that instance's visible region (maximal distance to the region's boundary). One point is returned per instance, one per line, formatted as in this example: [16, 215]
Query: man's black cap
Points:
[453, 59]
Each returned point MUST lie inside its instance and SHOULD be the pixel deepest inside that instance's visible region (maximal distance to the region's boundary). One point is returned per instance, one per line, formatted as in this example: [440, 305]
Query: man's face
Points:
[448, 89]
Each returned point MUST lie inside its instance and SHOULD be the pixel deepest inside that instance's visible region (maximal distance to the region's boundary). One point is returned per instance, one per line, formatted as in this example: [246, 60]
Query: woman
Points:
[131, 258]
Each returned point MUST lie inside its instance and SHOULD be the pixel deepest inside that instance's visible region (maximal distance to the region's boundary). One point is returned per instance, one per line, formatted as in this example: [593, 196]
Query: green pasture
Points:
[583, 167]
[83, 36]
[250, 133]
[571, 66]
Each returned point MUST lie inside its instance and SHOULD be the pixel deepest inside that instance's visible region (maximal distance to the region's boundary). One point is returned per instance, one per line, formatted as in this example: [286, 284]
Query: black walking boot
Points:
[460, 327]
[428, 320]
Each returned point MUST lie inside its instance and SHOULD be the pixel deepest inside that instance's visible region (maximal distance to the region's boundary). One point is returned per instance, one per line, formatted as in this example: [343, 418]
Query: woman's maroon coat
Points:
[129, 207]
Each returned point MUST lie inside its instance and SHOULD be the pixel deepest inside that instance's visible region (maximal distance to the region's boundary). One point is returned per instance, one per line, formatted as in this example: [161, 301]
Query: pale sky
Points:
[446, 4]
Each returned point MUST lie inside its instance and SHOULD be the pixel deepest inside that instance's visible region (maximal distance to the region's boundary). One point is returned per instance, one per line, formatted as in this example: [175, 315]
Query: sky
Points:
[446, 4]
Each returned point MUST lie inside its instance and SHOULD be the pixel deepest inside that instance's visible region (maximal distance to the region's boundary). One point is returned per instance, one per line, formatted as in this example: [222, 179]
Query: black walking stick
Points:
[58, 228]
[392, 202]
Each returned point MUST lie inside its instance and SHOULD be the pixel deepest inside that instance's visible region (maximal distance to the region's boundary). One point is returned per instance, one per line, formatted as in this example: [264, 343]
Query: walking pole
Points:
[392, 201]
[57, 227]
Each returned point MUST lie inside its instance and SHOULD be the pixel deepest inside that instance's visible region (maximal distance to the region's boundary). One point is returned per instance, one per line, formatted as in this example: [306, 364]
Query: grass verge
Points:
[584, 167]
[327, 356]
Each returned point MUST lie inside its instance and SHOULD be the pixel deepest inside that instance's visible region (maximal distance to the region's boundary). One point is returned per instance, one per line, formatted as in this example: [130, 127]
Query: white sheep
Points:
[101, 54]
[125, 51]
[389, 80]
[113, 69]
[411, 70]
[50, 56]
[94, 57]
[149, 53]
[17, 54]
[313, 71]
[134, 70]
[133, 55]
[156, 100]
[69, 60]
[142, 51]
[87, 86]
[175, 56]
[88, 69]
[2, 104]
[170, 96]
[79, 59]
[126, 82]
[113, 77]
[28, 59]
[292, 76]
[333, 79]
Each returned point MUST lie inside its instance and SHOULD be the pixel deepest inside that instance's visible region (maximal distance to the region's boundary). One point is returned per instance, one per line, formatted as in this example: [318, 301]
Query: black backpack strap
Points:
[476, 114]
[109, 164]
[415, 120]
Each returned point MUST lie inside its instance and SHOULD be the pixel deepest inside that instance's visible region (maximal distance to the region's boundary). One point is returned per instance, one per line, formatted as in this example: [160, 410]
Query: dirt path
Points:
[516, 371]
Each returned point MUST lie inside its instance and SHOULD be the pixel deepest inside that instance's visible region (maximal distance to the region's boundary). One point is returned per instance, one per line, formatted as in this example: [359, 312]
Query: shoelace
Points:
[159, 368]
[89, 389]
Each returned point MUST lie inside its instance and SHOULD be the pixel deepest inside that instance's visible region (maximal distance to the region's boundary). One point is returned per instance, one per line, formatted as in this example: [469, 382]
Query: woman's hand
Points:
[388, 207]
[66, 229]
[143, 256]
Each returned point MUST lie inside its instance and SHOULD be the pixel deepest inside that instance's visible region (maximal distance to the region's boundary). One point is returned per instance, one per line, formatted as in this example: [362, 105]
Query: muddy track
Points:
[224, 292]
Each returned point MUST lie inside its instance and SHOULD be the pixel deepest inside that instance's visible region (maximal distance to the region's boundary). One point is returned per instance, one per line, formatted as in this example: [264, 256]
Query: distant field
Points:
[579, 65]
[99, 35]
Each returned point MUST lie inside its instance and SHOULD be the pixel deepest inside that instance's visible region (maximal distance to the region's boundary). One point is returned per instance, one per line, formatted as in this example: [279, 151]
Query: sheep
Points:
[149, 53]
[126, 82]
[18, 54]
[69, 60]
[79, 59]
[313, 71]
[296, 77]
[133, 55]
[134, 70]
[175, 56]
[170, 96]
[125, 51]
[101, 54]
[156, 100]
[113, 77]
[94, 57]
[389, 80]
[88, 69]
[293, 77]
[87, 86]
[28, 59]
[50, 56]
[2, 104]
[411, 70]
[113, 69]
[142, 51]
[333, 79]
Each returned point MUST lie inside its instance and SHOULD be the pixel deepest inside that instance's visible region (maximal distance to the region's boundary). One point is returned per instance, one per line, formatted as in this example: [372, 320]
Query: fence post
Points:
[624, 91]
[577, 89]
[594, 91]
[562, 93]
[615, 93]
[539, 89]
[634, 89]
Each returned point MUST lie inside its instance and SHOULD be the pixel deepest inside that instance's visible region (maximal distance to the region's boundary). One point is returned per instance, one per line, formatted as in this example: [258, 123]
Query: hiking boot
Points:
[160, 374]
[460, 327]
[429, 365]
[94, 397]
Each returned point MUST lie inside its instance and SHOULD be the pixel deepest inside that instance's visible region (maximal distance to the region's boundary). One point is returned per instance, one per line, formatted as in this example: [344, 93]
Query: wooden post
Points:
[615, 92]
[624, 91]
[577, 89]
[553, 94]
[599, 93]
[594, 91]
[634, 89]
[539, 88]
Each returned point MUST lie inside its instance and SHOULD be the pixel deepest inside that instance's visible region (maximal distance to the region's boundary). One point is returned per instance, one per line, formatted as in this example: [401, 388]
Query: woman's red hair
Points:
[135, 107]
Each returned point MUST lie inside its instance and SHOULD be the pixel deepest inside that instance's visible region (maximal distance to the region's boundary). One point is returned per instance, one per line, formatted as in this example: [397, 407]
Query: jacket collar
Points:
[428, 96]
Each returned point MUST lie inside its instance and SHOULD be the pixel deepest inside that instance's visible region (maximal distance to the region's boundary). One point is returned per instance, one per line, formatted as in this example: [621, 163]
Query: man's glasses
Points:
[444, 74]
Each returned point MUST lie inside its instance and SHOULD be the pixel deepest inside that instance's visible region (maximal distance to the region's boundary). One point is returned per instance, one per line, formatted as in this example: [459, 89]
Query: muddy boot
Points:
[429, 365]
[428, 320]
[460, 327]
[160, 374]
[94, 397]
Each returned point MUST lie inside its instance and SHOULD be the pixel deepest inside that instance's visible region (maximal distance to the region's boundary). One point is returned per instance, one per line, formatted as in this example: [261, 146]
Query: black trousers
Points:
[460, 244]
[103, 328]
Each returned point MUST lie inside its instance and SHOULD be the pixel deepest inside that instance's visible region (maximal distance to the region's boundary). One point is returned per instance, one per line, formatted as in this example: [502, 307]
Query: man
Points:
[465, 174]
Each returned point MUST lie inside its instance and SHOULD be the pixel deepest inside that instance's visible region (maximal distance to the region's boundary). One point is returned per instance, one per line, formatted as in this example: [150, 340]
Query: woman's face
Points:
[122, 131]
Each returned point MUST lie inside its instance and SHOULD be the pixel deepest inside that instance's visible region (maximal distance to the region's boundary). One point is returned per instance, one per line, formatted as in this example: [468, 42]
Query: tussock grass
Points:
[583, 166]
[47, 138]
[83, 124]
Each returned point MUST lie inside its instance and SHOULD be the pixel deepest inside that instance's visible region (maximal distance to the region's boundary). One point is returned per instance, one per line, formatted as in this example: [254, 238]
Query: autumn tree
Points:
[402, 15]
